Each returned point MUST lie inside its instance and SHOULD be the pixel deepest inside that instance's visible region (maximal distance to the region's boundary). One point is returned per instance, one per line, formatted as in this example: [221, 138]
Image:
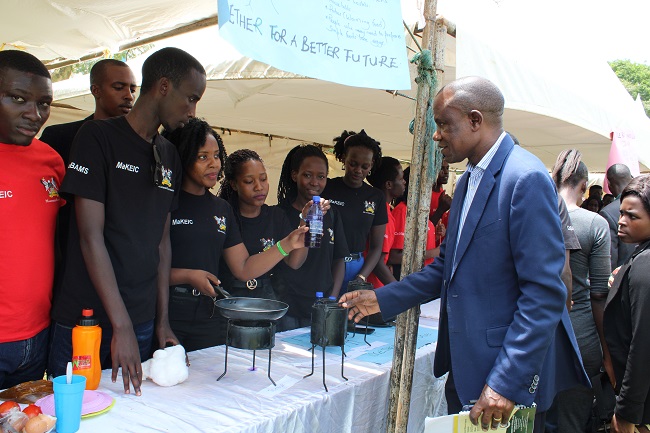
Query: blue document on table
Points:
[382, 343]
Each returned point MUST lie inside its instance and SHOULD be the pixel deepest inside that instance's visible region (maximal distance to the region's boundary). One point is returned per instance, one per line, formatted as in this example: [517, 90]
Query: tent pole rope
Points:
[423, 172]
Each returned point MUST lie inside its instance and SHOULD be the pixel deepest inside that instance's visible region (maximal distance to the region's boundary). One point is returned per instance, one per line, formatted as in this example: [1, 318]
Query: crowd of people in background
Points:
[111, 214]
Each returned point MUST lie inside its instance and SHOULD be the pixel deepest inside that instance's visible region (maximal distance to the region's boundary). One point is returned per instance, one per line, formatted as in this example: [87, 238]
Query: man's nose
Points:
[31, 112]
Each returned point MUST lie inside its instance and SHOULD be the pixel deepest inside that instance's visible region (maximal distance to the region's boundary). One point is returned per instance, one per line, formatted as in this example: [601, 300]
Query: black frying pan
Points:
[251, 309]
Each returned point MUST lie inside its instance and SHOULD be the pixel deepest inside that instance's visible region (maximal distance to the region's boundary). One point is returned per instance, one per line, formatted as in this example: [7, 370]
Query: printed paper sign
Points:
[354, 42]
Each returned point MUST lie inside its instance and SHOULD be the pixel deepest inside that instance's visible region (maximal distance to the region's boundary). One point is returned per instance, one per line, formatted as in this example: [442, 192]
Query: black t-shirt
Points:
[202, 227]
[259, 234]
[110, 163]
[360, 209]
[315, 275]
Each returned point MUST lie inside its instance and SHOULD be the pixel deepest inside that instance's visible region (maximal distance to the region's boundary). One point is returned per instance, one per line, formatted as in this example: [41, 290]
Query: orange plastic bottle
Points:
[86, 338]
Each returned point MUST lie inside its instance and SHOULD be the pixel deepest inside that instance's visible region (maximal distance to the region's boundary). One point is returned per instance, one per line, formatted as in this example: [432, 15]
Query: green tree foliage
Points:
[65, 72]
[636, 79]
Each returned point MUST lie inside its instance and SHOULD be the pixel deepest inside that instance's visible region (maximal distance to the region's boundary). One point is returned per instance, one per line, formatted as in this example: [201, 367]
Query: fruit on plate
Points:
[41, 423]
[32, 410]
[7, 406]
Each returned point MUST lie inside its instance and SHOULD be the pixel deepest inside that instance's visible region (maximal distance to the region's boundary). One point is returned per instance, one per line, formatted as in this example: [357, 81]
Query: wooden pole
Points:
[420, 183]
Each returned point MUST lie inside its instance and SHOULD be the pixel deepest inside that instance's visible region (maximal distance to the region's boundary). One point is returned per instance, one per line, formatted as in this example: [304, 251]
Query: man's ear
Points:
[94, 89]
[388, 185]
[164, 85]
[476, 119]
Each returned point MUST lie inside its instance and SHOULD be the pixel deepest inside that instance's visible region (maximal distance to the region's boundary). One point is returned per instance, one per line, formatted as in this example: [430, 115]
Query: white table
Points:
[246, 401]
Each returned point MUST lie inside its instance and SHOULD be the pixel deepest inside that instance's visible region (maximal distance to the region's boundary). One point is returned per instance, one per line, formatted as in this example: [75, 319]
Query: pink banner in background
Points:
[622, 152]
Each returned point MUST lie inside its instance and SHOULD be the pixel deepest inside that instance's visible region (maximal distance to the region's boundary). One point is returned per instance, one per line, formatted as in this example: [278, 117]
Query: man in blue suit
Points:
[505, 336]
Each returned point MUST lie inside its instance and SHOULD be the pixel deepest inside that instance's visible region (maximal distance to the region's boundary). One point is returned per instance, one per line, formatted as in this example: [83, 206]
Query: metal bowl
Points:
[251, 309]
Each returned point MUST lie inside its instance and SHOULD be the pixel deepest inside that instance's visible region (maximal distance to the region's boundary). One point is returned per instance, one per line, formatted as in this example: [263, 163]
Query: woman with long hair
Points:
[204, 232]
[246, 187]
[590, 267]
[627, 313]
[362, 207]
[304, 175]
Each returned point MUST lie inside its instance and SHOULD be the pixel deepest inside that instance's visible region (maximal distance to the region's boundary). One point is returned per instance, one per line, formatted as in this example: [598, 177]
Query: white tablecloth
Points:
[245, 401]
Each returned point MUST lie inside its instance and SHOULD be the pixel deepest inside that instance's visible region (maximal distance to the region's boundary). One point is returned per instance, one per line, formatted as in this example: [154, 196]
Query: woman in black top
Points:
[246, 187]
[204, 231]
[304, 175]
[361, 206]
[627, 313]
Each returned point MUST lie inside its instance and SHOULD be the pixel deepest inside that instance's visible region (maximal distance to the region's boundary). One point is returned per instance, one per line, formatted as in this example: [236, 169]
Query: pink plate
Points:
[94, 402]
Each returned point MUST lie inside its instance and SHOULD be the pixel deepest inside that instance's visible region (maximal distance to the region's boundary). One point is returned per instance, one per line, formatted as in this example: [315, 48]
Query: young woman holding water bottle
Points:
[304, 175]
[204, 231]
[362, 207]
[246, 187]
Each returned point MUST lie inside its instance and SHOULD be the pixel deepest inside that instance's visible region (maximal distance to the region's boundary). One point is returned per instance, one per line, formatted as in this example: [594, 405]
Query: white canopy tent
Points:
[549, 106]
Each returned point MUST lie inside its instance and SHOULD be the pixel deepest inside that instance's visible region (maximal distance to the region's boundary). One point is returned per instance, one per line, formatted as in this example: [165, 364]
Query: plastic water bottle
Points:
[86, 338]
[314, 221]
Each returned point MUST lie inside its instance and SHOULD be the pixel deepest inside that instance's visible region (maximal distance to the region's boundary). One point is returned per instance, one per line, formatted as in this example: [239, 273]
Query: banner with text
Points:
[354, 42]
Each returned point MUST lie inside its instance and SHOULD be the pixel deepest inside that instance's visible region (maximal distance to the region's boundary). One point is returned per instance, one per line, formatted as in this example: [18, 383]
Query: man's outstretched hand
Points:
[360, 303]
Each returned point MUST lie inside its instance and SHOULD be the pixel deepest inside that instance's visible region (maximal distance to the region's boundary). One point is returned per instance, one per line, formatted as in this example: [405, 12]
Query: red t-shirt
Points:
[30, 177]
[399, 214]
[435, 199]
[389, 237]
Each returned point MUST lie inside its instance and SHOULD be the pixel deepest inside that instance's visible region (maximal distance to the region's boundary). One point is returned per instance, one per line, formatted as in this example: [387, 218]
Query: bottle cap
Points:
[87, 318]
[316, 198]
[319, 294]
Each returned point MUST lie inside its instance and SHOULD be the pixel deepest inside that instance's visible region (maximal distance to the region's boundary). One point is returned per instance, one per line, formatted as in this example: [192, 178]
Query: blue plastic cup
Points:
[68, 399]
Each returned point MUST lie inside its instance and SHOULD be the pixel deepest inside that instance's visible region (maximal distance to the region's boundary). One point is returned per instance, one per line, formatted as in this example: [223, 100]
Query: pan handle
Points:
[221, 290]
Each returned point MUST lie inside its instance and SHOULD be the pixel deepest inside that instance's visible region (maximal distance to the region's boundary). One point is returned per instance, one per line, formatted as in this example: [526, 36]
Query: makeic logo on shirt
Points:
[181, 221]
[338, 203]
[51, 188]
[128, 167]
[266, 243]
[221, 224]
[369, 207]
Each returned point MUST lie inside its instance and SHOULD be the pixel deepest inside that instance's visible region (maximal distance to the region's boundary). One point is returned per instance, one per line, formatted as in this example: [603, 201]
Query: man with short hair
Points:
[505, 335]
[618, 176]
[596, 191]
[30, 175]
[113, 86]
[125, 179]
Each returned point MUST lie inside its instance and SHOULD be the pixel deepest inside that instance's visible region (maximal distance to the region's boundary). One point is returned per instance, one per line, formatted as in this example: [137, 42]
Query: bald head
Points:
[618, 176]
[477, 93]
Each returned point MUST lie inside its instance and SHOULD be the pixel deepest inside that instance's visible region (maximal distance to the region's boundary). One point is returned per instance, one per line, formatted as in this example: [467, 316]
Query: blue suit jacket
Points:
[503, 319]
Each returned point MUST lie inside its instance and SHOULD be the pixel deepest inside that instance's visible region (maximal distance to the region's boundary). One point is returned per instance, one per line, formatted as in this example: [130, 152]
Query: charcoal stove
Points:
[251, 325]
[328, 328]
[250, 336]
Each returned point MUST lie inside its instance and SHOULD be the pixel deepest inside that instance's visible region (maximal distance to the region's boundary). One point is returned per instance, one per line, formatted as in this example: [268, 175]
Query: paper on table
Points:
[521, 421]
